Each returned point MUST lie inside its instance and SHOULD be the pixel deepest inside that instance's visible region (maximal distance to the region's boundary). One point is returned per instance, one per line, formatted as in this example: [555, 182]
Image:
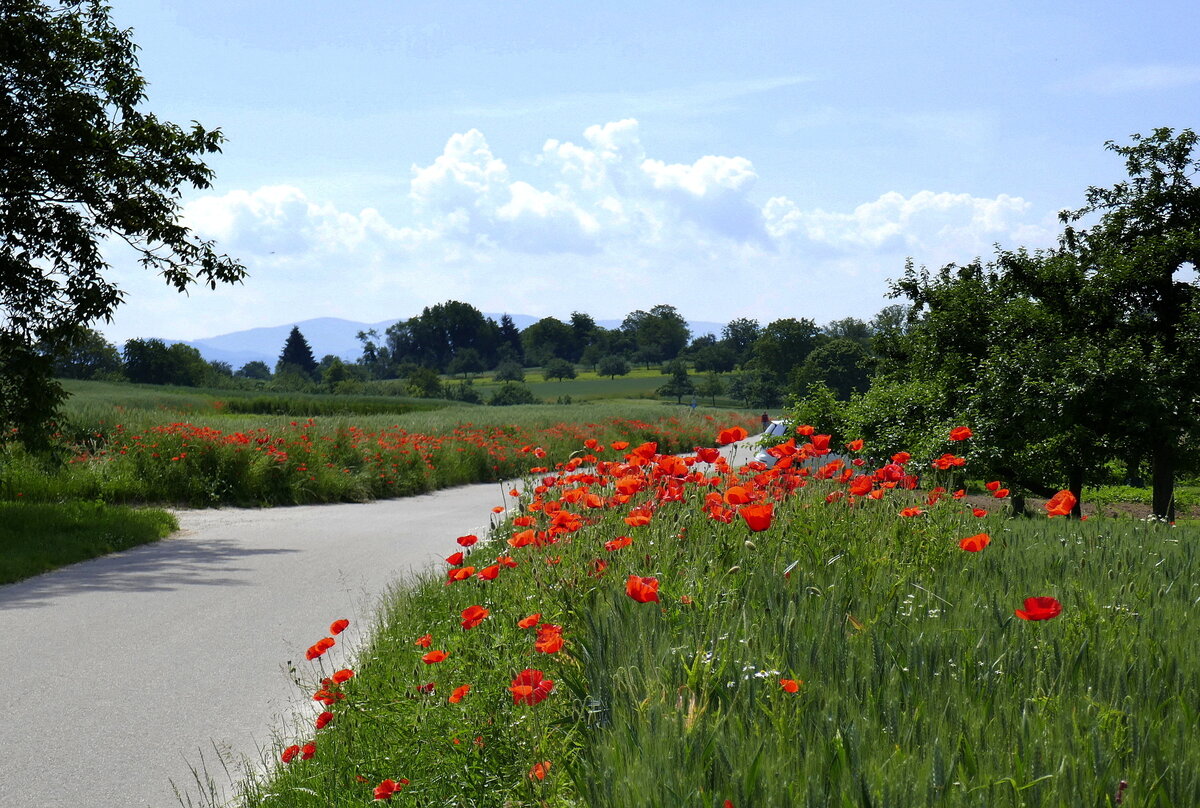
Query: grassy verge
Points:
[140, 456]
[40, 537]
[915, 683]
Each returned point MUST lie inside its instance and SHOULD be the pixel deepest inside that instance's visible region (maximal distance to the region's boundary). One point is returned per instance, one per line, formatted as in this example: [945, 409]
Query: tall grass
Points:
[40, 537]
[123, 454]
[920, 686]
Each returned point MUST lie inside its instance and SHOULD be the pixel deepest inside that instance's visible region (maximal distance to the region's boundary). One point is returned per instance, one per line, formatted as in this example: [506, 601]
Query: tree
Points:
[510, 394]
[612, 366]
[82, 162]
[784, 344]
[152, 361]
[711, 387]
[508, 341]
[548, 338]
[659, 334]
[739, 336]
[254, 370]
[87, 355]
[558, 369]
[842, 364]
[679, 385]
[296, 352]
[509, 372]
[466, 362]
[440, 332]
[1149, 230]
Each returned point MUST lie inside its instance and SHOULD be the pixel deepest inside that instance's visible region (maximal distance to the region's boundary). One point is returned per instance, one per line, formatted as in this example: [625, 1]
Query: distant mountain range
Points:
[332, 335]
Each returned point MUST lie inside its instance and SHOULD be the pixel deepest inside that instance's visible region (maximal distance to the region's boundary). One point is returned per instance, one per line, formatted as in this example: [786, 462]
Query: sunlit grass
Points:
[37, 538]
[920, 686]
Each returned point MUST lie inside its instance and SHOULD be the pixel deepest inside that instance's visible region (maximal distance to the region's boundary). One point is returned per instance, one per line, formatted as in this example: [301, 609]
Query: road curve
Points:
[126, 671]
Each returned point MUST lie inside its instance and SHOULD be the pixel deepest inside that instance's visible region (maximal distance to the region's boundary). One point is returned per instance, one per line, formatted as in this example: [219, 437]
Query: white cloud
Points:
[597, 226]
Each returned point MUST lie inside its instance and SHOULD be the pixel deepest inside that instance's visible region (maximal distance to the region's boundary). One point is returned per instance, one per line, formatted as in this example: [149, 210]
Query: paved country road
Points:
[122, 671]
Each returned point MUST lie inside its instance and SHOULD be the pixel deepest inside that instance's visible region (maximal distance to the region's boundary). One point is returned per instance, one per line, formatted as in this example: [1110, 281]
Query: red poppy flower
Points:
[467, 541]
[342, 676]
[1061, 504]
[758, 517]
[473, 616]
[960, 493]
[387, 788]
[427, 688]
[458, 694]
[488, 573]
[618, 543]
[461, 574]
[1039, 609]
[643, 590]
[960, 433]
[973, 544]
[993, 485]
[707, 455]
[319, 648]
[855, 445]
[433, 657]
[901, 457]
[979, 512]
[619, 445]
[454, 559]
[549, 639]
[911, 512]
[1000, 493]
[820, 443]
[507, 561]
[423, 641]
[805, 429]
[737, 495]
[732, 435]
[290, 753]
[529, 687]
[307, 751]
[530, 621]
[323, 719]
[338, 626]
[540, 770]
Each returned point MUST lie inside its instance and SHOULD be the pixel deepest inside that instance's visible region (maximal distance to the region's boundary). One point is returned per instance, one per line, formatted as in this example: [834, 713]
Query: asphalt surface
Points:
[127, 672]
[130, 674]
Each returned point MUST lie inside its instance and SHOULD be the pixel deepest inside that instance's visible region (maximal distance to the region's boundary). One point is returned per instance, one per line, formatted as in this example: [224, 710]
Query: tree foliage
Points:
[297, 353]
[82, 162]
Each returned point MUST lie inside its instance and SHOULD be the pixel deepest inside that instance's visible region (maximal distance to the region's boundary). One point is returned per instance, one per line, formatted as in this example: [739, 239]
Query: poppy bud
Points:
[750, 545]
[734, 569]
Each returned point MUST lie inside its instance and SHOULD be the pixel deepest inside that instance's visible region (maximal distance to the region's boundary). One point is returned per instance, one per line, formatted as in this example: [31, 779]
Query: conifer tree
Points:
[297, 352]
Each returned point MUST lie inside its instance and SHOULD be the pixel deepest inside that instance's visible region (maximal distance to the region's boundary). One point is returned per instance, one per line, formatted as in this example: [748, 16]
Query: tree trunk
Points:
[1075, 486]
[1163, 477]
[1017, 502]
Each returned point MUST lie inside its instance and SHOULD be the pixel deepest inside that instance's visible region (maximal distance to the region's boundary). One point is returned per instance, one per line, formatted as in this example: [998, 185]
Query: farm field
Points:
[638, 383]
[661, 633]
[157, 445]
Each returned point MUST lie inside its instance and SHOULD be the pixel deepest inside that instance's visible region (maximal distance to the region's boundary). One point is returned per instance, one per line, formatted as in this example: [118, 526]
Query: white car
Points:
[776, 429]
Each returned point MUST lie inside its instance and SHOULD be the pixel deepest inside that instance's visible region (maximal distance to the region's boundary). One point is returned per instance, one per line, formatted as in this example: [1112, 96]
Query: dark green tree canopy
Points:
[297, 352]
[80, 162]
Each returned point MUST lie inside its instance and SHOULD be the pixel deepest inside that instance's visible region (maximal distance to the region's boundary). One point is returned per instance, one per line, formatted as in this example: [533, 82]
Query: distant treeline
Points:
[751, 363]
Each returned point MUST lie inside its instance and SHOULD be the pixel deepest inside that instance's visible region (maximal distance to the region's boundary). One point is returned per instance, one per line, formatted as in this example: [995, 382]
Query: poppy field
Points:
[207, 457]
[650, 629]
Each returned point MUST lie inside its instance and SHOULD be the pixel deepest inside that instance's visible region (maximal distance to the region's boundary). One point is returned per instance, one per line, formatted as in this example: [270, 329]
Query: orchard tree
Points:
[81, 162]
[612, 366]
[1143, 253]
[558, 369]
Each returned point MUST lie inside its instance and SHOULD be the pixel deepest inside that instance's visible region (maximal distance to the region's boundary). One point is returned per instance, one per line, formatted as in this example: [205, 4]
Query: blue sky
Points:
[757, 160]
